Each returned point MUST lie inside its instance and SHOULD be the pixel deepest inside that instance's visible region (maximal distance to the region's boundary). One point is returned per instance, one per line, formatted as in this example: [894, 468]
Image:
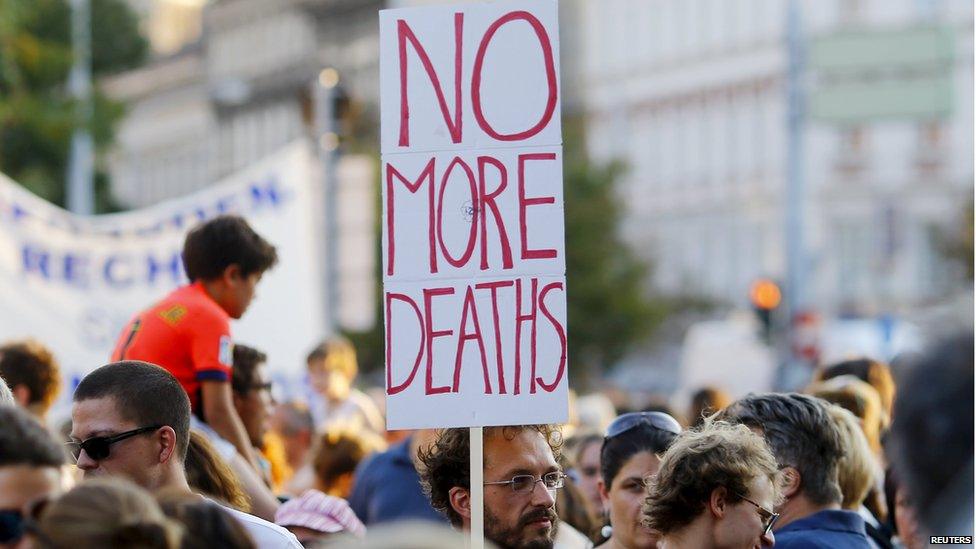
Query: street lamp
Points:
[329, 78]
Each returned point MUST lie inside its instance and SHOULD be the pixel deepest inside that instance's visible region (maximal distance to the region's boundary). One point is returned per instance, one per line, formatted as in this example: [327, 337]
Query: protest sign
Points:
[473, 245]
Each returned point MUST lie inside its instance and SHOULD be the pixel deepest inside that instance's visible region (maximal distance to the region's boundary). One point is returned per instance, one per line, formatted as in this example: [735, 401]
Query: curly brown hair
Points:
[716, 454]
[445, 462]
[31, 364]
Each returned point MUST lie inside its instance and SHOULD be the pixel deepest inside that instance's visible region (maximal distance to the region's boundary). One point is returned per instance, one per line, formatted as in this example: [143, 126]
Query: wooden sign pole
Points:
[477, 476]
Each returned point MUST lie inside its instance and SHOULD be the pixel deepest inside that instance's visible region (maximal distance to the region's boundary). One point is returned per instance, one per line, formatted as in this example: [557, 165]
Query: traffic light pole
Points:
[796, 259]
[327, 147]
[81, 163]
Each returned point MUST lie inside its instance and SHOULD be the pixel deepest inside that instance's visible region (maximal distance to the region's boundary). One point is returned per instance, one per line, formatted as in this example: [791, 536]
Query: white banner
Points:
[473, 246]
[73, 282]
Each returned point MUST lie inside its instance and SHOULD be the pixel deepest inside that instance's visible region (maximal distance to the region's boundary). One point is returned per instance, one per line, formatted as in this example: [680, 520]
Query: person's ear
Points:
[460, 499]
[232, 273]
[22, 394]
[791, 481]
[167, 443]
[718, 502]
[604, 493]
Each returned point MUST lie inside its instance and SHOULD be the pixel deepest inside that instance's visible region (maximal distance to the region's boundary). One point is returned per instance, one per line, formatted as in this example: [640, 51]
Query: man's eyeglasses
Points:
[768, 517]
[526, 483]
[656, 420]
[98, 448]
[261, 387]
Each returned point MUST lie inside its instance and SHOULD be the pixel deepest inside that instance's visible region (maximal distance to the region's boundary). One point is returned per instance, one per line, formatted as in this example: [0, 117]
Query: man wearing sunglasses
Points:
[521, 477]
[30, 470]
[808, 445]
[251, 386]
[132, 419]
[715, 489]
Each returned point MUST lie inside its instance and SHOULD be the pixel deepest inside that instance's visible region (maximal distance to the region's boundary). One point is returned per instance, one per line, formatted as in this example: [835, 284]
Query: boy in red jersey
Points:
[188, 332]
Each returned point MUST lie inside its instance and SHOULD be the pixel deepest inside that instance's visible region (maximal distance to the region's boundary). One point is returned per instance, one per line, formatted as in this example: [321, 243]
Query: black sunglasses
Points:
[14, 524]
[11, 526]
[98, 448]
[656, 420]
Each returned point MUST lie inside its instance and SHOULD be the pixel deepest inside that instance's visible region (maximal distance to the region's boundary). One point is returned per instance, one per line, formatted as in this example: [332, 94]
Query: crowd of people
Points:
[177, 442]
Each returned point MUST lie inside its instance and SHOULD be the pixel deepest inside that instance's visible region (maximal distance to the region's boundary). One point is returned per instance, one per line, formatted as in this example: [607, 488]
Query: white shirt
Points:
[568, 537]
[224, 448]
[264, 533]
[357, 412]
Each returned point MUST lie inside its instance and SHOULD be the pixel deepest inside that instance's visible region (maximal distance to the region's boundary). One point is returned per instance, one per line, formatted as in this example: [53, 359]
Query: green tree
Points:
[37, 114]
[608, 310]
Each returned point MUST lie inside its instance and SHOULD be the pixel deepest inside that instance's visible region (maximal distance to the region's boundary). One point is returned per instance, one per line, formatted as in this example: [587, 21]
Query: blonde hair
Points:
[861, 399]
[209, 474]
[110, 513]
[715, 455]
[874, 373]
[335, 353]
[857, 468]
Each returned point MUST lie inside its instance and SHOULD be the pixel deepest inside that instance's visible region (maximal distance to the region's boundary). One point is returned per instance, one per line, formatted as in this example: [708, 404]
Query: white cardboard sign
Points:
[473, 234]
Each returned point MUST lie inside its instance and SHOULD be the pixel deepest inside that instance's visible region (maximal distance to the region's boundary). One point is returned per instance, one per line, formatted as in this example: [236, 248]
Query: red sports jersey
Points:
[187, 333]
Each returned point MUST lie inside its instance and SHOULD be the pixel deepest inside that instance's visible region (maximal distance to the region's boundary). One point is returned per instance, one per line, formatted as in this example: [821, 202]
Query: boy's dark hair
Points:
[446, 462]
[144, 394]
[31, 364]
[206, 524]
[24, 441]
[226, 240]
[801, 434]
[246, 361]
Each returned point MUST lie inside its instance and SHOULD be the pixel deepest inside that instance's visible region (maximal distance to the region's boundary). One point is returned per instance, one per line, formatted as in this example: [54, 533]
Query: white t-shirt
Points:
[224, 448]
[568, 537]
[264, 533]
[356, 413]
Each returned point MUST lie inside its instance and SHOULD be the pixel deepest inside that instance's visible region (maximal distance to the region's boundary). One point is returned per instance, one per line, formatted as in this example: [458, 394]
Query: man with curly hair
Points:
[521, 476]
[716, 487]
[32, 374]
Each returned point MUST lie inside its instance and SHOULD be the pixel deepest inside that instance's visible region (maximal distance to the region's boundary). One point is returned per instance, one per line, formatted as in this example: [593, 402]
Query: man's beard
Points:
[512, 538]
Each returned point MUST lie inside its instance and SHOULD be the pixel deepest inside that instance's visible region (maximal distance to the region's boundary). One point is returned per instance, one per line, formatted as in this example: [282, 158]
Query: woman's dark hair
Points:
[224, 241]
[112, 513]
[618, 449]
[206, 525]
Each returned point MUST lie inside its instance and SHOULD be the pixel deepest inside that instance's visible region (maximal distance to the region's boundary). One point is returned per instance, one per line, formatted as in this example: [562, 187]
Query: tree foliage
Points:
[609, 312]
[37, 114]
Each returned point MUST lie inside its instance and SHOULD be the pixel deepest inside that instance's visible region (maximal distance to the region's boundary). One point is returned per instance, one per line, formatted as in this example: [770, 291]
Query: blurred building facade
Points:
[692, 96]
[230, 82]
